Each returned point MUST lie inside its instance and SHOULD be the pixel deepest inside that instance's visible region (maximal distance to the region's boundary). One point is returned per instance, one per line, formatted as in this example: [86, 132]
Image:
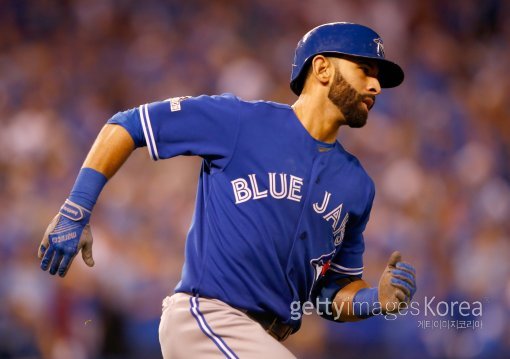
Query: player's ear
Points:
[322, 69]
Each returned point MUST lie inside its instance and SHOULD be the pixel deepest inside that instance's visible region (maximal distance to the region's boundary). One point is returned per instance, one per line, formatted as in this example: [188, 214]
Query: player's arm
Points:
[69, 231]
[110, 150]
[205, 126]
[357, 300]
[349, 298]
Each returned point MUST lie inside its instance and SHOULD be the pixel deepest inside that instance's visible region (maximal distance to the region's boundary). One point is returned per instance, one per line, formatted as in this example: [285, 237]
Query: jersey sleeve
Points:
[130, 120]
[349, 259]
[348, 262]
[205, 126]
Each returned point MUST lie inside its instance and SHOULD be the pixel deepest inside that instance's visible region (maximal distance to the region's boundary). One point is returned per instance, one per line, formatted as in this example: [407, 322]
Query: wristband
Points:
[366, 303]
[74, 212]
[325, 299]
[87, 188]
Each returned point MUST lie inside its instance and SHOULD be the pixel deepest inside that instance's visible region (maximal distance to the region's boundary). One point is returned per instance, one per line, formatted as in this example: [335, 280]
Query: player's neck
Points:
[320, 119]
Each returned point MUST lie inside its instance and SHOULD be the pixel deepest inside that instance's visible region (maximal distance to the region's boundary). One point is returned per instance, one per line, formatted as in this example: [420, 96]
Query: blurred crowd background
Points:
[437, 147]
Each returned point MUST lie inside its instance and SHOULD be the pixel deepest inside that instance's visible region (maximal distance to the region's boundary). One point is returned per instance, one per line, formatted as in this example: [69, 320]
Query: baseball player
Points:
[281, 205]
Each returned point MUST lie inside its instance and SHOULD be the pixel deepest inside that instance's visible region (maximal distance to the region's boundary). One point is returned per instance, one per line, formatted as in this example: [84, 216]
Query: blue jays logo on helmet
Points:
[343, 38]
[380, 46]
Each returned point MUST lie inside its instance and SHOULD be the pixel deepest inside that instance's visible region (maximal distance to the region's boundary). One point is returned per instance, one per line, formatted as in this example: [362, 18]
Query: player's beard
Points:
[349, 102]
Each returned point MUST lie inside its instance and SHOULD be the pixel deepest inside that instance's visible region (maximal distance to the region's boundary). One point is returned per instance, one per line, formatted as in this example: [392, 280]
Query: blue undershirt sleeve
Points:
[130, 120]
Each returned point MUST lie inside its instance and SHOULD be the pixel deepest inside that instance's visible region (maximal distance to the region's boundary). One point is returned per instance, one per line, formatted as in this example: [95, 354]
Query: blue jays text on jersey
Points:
[279, 216]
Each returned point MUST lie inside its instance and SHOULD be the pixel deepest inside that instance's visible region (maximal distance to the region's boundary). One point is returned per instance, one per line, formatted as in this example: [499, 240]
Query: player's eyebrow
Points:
[372, 66]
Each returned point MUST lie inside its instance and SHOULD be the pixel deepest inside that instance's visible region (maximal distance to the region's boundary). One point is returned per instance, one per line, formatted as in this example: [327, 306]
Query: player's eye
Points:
[369, 70]
[365, 69]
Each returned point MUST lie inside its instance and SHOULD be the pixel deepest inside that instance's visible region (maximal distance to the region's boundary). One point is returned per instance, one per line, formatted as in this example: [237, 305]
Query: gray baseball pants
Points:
[195, 327]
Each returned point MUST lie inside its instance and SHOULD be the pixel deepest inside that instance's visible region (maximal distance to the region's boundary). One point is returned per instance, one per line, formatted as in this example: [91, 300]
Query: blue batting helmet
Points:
[343, 38]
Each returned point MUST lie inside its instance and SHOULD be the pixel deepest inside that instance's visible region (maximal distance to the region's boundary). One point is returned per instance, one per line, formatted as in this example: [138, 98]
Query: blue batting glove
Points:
[396, 288]
[67, 234]
[397, 284]
[404, 277]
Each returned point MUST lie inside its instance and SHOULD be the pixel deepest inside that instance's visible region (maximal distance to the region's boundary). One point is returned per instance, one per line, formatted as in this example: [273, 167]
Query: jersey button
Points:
[303, 235]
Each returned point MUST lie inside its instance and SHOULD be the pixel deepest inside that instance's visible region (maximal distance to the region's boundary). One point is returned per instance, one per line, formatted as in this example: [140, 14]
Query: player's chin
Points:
[356, 124]
[358, 119]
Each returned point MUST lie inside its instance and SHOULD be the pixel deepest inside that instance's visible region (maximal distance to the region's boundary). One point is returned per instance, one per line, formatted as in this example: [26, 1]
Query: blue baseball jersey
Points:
[277, 212]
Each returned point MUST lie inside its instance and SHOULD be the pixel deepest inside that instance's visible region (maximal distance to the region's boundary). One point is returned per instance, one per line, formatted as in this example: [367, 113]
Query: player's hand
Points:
[67, 234]
[397, 284]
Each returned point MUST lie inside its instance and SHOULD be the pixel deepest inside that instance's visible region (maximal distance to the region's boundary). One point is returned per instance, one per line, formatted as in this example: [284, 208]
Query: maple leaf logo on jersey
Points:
[321, 264]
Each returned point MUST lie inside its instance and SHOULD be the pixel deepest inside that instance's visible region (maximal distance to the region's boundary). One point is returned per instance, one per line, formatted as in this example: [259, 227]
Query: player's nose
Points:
[373, 86]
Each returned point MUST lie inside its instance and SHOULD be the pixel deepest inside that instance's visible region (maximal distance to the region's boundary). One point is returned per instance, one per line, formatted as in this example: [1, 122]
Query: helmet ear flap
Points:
[306, 71]
[298, 84]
